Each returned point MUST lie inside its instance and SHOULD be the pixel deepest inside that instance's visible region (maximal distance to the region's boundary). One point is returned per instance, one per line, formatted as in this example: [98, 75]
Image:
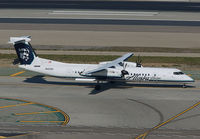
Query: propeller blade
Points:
[138, 61]
[124, 66]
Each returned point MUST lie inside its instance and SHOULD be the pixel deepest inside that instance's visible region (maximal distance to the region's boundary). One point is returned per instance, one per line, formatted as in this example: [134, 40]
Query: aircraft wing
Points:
[110, 64]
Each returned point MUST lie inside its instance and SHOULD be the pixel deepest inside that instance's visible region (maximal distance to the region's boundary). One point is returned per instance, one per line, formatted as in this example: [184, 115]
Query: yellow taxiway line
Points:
[35, 113]
[18, 73]
[2, 137]
[66, 117]
[23, 104]
[41, 121]
[169, 120]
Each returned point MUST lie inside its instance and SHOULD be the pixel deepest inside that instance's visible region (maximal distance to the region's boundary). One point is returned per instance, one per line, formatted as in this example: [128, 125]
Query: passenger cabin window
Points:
[178, 73]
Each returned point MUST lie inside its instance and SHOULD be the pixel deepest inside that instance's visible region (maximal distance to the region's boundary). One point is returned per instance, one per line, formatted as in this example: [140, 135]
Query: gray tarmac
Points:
[119, 110]
[95, 39]
[64, 29]
[58, 52]
[77, 16]
[161, 5]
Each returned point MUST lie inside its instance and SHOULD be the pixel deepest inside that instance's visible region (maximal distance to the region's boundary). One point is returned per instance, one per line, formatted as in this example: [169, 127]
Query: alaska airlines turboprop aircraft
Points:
[116, 70]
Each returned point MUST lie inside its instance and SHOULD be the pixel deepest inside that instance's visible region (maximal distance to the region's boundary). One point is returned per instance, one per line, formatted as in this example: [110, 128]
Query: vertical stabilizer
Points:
[23, 49]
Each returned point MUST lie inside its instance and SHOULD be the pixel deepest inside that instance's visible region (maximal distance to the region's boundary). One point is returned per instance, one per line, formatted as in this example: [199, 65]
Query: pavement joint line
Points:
[167, 121]
[25, 134]
[18, 73]
[170, 88]
[23, 104]
[66, 116]
[93, 86]
[35, 113]
[38, 84]
[21, 135]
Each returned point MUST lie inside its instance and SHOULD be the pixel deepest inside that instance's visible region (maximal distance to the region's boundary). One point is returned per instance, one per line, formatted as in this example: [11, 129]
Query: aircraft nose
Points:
[190, 79]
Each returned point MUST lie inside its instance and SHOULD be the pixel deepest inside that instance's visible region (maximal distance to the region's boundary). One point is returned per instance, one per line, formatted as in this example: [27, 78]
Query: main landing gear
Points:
[98, 86]
[184, 86]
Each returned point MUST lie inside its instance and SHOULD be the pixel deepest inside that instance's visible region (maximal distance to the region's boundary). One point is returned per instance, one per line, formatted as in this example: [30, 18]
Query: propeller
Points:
[138, 61]
[124, 72]
[15, 61]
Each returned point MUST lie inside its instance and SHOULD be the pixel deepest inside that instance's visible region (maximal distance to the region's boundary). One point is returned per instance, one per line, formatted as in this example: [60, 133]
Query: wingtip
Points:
[130, 54]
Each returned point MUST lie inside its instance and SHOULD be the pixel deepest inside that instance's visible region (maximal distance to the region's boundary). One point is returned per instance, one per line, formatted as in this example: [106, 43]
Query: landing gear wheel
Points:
[112, 82]
[184, 86]
[97, 87]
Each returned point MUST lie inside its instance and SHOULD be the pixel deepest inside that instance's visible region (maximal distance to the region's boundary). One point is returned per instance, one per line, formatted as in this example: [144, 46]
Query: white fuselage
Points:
[137, 74]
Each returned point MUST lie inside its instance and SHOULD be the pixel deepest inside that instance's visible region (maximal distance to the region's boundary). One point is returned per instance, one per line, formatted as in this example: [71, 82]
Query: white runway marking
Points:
[104, 13]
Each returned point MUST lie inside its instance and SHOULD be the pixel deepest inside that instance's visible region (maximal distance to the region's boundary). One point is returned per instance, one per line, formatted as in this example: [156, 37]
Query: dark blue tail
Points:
[24, 50]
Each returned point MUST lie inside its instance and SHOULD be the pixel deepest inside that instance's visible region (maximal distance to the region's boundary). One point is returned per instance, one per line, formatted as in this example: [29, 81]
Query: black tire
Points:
[184, 86]
[112, 82]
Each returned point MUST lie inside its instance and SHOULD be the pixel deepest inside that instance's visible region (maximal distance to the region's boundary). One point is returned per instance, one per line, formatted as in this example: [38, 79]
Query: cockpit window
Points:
[178, 73]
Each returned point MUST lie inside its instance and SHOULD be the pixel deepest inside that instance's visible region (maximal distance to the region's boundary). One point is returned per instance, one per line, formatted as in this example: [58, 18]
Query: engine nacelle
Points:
[109, 72]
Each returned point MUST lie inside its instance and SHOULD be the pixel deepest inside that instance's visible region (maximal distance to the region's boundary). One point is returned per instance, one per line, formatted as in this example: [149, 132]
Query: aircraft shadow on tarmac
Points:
[104, 86]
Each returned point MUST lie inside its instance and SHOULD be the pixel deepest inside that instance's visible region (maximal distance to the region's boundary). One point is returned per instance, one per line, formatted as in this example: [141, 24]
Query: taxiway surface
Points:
[161, 5]
[118, 111]
[125, 106]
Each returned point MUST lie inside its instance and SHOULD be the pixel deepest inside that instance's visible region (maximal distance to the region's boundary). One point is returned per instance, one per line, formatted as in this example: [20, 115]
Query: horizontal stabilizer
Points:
[15, 40]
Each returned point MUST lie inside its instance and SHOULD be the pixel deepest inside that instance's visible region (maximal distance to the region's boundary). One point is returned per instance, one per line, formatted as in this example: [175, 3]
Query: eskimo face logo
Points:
[24, 53]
